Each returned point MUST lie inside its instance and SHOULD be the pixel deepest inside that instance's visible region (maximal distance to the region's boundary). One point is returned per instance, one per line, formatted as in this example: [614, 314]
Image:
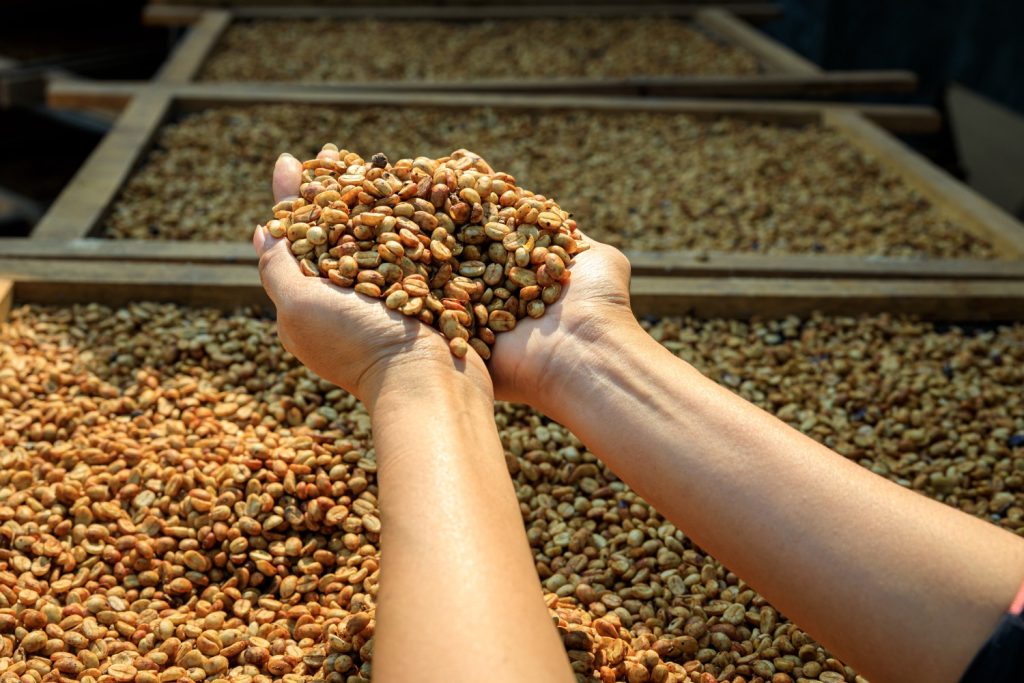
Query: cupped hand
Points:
[531, 362]
[347, 338]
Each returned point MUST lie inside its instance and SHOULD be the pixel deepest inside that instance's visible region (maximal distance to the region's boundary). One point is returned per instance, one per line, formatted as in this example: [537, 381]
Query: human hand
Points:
[531, 362]
[347, 338]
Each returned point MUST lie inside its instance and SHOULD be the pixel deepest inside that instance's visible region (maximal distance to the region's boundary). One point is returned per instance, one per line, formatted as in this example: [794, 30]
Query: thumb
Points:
[279, 271]
[287, 177]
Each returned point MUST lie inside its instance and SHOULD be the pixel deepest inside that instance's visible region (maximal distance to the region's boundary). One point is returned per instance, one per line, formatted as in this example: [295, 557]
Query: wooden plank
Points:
[162, 15]
[194, 96]
[828, 83]
[775, 84]
[82, 203]
[951, 196]
[899, 118]
[116, 283]
[733, 264]
[78, 94]
[963, 301]
[682, 263]
[189, 55]
[6, 298]
[771, 54]
[103, 95]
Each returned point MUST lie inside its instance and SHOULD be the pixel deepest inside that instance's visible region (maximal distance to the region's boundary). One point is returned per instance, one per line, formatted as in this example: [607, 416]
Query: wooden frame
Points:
[786, 73]
[68, 227]
[116, 283]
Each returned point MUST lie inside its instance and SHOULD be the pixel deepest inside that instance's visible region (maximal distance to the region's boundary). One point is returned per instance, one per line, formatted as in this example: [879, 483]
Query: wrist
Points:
[412, 382]
[596, 354]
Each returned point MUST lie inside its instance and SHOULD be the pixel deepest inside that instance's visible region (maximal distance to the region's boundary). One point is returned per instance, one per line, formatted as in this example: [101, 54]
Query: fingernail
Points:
[286, 154]
[264, 238]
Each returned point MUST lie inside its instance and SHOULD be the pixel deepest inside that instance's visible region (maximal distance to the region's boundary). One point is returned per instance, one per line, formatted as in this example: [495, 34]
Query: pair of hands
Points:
[338, 335]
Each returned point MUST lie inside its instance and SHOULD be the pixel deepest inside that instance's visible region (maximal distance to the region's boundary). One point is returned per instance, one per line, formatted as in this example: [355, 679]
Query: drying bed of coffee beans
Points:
[269, 50]
[181, 499]
[637, 180]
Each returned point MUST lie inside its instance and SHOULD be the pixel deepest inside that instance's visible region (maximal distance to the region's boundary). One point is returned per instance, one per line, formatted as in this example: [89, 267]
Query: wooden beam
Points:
[825, 266]
[163, 15]
[6, 298]
[115, 283]
[682, 263]
[69, 93]
[965, 301]
[82, 203]
[773, 55]
[951, 196]
[188, 57]
[228, 286]
[776, 84]
[75, 94]
[899, 118]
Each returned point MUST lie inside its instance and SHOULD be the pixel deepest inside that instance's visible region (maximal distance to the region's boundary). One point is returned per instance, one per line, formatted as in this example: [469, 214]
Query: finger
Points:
[279, 271]
[587, 238]
[328, 153]
[287, 177]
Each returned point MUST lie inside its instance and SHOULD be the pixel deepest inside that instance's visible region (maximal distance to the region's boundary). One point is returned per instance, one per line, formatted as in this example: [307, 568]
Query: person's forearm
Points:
[902, 587]
[459, 596]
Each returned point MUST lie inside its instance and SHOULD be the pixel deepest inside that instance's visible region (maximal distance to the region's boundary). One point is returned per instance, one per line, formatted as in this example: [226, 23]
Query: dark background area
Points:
[103, 40]
[979, 43]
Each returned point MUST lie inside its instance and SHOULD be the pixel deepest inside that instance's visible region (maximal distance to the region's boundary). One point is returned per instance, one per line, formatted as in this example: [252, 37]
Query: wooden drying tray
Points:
[116, 283]
[68, 229]
[786, 72]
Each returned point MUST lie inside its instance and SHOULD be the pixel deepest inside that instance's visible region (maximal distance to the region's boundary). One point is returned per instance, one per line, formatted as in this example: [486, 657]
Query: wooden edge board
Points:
[188, 57]
[72, 93]
[115, 283]
[82, 203]
[772, 54]
[774, 298]
[6, 298]
[834, 82]
[776, 84]
[162, 15]
[681, 263]
[726, 264]
[897, 117]
[954, 198]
